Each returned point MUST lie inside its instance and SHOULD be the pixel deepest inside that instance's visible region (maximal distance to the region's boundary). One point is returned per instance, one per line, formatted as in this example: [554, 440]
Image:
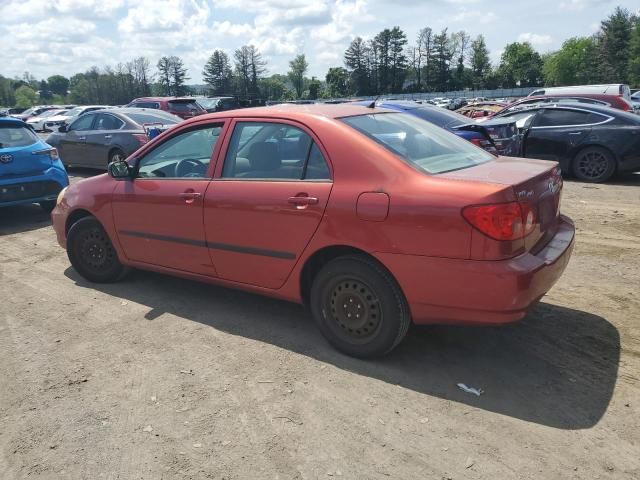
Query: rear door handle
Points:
[190, 195]
[300, 200]
[82, 138]
[576, 133]
[108, 136]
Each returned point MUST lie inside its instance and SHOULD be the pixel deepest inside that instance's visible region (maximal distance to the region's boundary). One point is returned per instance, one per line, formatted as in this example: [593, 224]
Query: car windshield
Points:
[14, 136]
[422, 144]
[440, 117]
[74, 111]
[208, 102]
[191, 106]
[156, 117]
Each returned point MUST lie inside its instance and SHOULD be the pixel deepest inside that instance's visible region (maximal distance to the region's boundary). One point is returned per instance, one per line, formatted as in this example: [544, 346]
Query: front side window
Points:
[83, 123]
[423, 145]
[275, 151]
[186, 155]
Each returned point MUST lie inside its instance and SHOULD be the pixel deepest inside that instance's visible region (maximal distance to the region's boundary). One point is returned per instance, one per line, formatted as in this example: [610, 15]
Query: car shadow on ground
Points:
[557, 368]
[621, 179]
[23, 218]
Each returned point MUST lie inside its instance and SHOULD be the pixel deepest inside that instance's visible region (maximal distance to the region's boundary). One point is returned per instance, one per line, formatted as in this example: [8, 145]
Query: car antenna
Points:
[373, 104]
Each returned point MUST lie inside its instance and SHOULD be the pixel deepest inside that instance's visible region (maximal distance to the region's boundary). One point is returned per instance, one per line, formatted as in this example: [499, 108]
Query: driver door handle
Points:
[108, 136]
[190, 195]
[82, 138]
[300, 200]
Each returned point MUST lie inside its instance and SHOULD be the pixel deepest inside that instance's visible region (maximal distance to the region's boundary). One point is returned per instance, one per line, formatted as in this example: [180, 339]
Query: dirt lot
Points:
[158, 377]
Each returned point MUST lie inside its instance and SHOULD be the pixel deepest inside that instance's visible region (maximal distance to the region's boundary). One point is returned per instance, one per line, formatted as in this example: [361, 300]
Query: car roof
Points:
[13, 121]
[288, 110]
[161, 99]
[572, 105]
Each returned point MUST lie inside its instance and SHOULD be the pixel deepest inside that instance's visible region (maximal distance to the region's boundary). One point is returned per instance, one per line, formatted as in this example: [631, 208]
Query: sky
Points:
[47, 37]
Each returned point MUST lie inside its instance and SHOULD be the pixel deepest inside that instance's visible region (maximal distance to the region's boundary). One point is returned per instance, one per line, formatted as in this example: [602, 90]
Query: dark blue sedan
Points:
[498, 138]
[30, 170]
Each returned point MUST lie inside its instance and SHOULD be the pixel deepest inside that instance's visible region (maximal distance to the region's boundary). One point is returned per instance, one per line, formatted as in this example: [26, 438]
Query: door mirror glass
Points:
[119, 169]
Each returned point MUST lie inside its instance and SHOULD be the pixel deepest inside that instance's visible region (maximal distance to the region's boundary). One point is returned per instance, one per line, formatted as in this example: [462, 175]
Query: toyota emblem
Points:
[6, 158]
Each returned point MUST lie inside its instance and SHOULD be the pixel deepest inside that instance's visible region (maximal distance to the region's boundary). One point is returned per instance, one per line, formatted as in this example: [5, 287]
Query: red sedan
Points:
[373, 218]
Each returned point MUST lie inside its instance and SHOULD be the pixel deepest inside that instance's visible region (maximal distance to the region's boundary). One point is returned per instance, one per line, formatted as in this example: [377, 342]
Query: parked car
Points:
[34, 111]
[218, 104]
[182, 107]
[481, 110]
[373, 218]
[635, 101]
[498, 139]
[37, 123]
[617, 95]
[55, 121]
[591, 142]
[30, 170]
[527, 102]
[99, 137]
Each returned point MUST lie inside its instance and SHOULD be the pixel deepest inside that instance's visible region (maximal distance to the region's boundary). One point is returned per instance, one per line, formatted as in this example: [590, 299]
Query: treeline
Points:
[387, 63]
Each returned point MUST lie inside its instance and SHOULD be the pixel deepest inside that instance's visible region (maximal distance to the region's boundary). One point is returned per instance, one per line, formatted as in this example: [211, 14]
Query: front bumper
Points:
[33, 188]
[452, 291]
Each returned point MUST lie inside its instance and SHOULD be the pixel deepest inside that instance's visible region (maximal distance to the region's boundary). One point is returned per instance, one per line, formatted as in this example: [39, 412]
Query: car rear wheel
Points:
[116, 155]
[594, 164]
[359, 307]
[48, 205]
[91, 252]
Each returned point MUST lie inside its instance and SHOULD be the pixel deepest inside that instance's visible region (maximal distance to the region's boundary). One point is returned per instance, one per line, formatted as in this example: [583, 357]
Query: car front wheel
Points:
[359, 307]
[91, 252]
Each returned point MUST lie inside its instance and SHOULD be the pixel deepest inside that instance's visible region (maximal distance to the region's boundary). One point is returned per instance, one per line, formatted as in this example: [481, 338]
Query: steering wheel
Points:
[189, 167]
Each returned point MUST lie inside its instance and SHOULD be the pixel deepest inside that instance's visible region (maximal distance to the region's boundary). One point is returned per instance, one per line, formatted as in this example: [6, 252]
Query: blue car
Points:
[30, 170]
[496, 137]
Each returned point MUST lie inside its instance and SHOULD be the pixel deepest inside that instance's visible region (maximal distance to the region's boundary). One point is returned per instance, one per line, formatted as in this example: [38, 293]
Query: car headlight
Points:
[61, 195]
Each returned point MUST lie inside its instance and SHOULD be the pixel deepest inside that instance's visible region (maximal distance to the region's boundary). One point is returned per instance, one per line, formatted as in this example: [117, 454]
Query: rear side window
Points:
[142, 118]
[560, 117]
[108, 122]
[14, 136]
[184, 107]
[422, 144]
[274, 151]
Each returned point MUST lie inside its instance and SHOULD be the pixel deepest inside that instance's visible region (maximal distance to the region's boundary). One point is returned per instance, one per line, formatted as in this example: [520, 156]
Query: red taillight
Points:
[502, 221]
[141, 137]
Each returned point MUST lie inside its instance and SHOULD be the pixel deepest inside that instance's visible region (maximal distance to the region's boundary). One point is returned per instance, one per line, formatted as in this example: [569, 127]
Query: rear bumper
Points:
[452, 291]
[36, 188]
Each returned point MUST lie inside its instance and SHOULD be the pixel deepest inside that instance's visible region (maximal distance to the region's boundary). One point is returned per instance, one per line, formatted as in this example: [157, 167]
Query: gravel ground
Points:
[158, 377]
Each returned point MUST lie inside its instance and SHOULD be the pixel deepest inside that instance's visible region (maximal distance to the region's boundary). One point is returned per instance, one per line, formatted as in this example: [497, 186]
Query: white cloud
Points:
[535, 39]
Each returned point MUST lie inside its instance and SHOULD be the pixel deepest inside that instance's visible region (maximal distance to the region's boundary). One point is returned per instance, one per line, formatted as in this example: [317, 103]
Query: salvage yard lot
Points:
[158, 377]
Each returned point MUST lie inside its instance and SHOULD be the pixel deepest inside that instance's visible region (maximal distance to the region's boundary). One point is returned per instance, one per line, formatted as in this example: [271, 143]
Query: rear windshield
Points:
[189, 106]
[142, 118]
[440, 117]
[422, 144]
[13, 136]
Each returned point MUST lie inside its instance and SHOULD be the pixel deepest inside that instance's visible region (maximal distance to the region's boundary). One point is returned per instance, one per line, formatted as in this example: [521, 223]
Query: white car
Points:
[54, 122]
[37, 123]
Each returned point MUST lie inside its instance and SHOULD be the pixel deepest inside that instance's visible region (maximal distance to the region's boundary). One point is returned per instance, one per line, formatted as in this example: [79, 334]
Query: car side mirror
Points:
[62, 128]
[119, 170]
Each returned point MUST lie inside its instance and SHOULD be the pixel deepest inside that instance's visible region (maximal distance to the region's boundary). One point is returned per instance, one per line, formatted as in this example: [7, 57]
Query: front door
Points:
[100, 139]
[266, 202]
[158, 215]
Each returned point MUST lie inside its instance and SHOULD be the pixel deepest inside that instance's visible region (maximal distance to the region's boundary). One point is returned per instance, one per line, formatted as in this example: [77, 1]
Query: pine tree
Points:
[480, 63]
[356, 60]
[298, 67]
[217, 73]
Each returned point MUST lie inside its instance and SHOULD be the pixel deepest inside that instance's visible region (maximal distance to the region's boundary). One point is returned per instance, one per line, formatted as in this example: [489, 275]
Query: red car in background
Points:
[182, 107]
[374, 219]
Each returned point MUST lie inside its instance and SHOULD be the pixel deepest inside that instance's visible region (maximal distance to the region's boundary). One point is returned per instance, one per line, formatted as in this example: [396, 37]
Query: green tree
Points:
[634, 55]
[178, 77]
[249, 69]
[25, 97]
[58, 84]
[337, 82]
[43, 90]
[520, 65]
[274, 87]
[164, 75]
[217, 73]
[614, 46]
[297, 68]
[356, 60]
[441, 60]
[314, 88]
[7, 93]
[480, 63]
[573, 64]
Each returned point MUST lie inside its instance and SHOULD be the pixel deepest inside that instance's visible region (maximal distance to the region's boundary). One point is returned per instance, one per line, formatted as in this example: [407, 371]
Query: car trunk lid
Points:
[503, 133]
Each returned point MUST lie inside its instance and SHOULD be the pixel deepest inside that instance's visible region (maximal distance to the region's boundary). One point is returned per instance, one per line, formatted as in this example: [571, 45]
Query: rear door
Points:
[73, 144]
[100, 139]
[266, 202]
[556, 133]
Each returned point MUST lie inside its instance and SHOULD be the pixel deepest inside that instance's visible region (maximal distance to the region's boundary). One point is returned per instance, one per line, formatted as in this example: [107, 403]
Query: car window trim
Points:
[229, 134]
[607, 119]
[213, 158]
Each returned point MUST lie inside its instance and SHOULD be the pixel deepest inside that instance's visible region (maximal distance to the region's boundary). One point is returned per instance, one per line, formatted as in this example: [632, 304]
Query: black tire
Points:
[594, 165]
[359, 307]
[116, 154]
[91, 252]
[48, 205]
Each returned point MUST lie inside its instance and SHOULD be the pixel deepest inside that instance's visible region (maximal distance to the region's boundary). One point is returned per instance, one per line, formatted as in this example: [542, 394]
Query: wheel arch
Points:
[74, 216]
[319, 258]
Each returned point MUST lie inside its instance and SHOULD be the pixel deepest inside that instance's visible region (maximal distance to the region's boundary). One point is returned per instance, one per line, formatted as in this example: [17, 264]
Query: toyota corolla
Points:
[372, 218]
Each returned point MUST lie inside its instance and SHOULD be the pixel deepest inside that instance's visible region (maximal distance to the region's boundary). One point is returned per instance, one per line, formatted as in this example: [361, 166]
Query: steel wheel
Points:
[91, 252]
[355, 310]
[594, 164]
